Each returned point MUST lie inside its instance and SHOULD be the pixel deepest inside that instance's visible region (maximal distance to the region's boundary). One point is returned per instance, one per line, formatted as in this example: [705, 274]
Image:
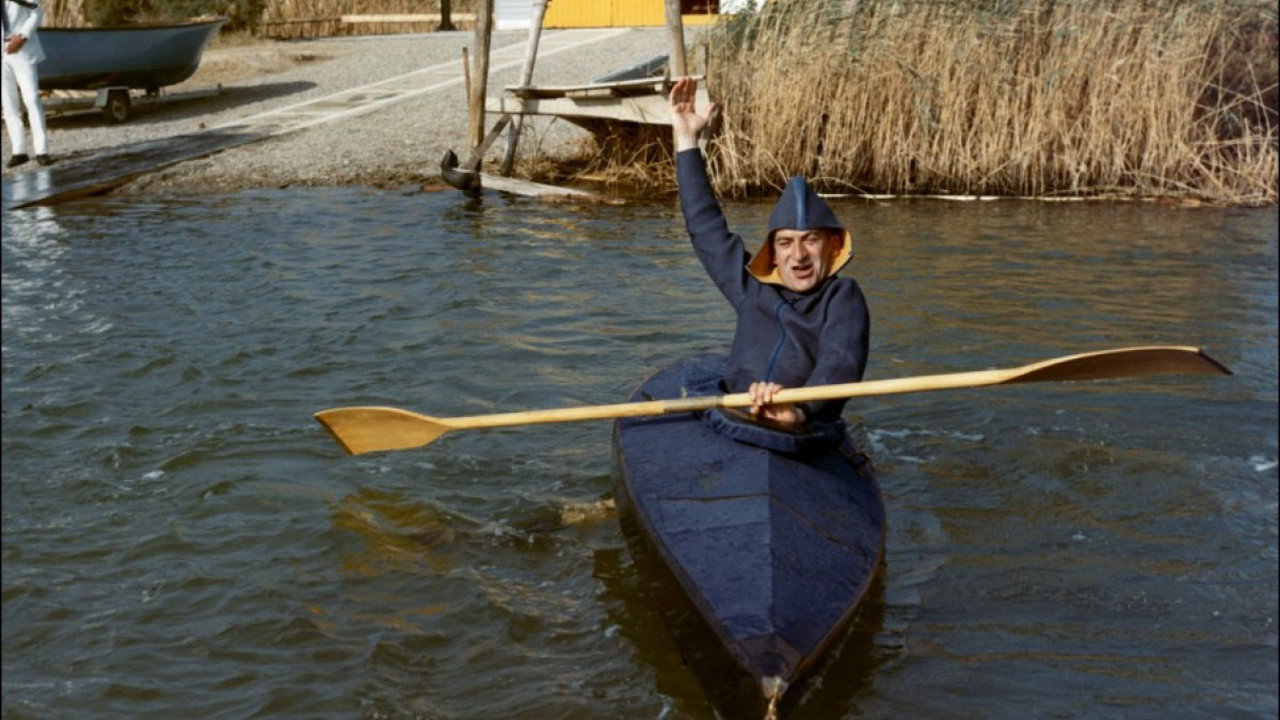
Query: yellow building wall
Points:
[613, 13]
[631, 14]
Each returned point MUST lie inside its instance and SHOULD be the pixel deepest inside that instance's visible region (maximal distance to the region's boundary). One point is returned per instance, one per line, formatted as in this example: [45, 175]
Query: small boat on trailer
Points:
[773, 551]
[112, 61]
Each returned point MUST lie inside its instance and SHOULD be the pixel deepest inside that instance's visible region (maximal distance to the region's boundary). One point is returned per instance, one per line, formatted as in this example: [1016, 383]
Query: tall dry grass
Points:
[320, 18]
[304, 18]
[64, 13]
[989, 97]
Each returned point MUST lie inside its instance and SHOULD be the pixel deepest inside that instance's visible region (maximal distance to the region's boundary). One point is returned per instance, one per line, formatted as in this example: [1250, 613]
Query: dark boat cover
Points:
[774, 550]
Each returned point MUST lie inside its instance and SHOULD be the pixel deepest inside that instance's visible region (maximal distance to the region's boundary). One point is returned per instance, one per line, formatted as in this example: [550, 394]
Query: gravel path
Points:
[402, 143]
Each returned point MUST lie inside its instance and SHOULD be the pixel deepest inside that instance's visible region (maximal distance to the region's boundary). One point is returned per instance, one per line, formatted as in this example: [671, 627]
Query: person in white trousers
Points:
[21, 53]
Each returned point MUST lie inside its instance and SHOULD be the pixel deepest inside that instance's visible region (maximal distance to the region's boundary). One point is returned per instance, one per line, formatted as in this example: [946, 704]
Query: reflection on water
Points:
[179, 533]
[26, 186]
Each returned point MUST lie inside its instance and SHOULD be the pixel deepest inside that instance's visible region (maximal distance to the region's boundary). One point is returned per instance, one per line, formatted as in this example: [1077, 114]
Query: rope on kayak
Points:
[772, 712]
[773, 688]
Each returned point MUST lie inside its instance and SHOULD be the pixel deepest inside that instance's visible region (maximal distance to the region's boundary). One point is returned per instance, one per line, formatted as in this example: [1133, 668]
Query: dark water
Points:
[181, 539]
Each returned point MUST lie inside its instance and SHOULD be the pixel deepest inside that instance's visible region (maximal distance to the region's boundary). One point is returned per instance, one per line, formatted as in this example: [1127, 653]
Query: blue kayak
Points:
[773, 551]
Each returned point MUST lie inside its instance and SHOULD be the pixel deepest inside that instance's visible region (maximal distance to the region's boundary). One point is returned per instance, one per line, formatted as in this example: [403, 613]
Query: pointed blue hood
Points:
[799, 208]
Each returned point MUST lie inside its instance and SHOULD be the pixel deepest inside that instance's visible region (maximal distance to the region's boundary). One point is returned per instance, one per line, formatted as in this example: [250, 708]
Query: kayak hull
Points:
[772, 553]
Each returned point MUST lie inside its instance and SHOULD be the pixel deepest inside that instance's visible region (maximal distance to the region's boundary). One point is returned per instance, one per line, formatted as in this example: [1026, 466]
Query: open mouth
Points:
[802, 272]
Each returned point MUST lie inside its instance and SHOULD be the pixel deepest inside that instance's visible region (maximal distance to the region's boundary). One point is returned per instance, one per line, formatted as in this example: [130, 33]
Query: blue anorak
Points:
[792, 339]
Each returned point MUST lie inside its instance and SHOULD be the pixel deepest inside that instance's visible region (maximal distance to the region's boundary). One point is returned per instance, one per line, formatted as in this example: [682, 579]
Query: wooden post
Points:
[446, 16]
[675, 31]
[676, 67]
[526, 77]
[466, 74]
[480, 74]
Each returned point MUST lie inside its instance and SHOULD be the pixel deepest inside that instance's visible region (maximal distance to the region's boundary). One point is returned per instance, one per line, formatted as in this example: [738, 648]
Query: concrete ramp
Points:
[110, 168]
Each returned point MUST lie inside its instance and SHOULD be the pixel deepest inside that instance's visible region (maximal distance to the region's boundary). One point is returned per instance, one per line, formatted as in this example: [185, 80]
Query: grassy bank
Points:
[1150, 98]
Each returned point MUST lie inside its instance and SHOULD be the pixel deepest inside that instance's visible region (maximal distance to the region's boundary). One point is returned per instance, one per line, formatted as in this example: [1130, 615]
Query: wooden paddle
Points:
[370, 429]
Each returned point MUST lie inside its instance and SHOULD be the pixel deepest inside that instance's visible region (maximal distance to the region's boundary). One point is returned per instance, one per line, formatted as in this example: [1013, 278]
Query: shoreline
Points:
[399, 144]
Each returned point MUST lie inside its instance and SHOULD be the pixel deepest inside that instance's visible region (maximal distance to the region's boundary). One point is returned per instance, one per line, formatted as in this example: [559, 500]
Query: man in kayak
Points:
[20, 82]
[798, 323]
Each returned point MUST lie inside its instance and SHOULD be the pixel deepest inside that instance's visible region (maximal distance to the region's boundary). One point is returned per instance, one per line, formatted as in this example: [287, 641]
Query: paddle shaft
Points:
[732, 400]
[1088, 366]
[366, 429]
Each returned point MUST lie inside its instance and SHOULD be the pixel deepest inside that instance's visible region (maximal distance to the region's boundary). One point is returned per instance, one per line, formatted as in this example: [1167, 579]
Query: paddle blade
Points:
[1125, 362]
[372, 429]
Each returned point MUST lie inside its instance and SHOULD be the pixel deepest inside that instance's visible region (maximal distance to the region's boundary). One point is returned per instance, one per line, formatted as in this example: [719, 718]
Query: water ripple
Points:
[179, 533]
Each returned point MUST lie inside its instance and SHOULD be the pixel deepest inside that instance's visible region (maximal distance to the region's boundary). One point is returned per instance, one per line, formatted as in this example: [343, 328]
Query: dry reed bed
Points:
[1034, 98]
[292, 19]
[1066, 98]
[320, 18]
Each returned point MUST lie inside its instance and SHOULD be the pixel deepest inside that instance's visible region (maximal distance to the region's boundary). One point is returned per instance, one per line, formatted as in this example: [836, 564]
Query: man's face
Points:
[803, 257]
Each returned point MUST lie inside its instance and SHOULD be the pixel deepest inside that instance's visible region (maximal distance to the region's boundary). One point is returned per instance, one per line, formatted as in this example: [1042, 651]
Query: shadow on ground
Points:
[150, 113]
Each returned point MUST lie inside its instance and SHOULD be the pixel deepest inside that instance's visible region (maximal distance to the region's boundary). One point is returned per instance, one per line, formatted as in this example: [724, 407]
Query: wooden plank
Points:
[646, 109]
[406, 18]
[649, 109]
[304, 21]
[653, 67]
[653, 87]
[96, 174]
[630, 87]
[594, 89]
[550, 193]
[477, 153]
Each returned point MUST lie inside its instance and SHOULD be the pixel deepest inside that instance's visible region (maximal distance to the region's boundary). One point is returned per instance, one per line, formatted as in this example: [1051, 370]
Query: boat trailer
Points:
[116, 103]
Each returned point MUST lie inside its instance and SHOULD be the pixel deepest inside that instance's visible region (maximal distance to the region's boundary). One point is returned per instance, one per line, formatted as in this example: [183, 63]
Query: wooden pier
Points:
[635, 94]
[631, 100]
[616, 103]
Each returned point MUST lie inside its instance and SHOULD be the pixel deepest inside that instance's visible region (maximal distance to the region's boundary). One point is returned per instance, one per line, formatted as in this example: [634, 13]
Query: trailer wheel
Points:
[117, 108]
